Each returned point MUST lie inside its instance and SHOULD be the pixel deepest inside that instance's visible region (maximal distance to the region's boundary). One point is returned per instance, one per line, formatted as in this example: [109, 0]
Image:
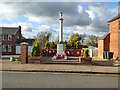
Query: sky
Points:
[79, 17]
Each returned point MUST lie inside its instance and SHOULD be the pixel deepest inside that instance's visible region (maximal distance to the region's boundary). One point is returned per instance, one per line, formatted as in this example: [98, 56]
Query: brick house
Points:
[8, 37]
[111, 40]
[18, 46]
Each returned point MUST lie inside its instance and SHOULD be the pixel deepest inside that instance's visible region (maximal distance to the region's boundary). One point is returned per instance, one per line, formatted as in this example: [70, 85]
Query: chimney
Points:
[19, 28]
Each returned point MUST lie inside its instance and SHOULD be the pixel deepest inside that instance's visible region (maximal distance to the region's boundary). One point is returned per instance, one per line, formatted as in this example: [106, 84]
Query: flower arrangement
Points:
[68, 53]
[72, 53]
[57, 56]
[78, 53]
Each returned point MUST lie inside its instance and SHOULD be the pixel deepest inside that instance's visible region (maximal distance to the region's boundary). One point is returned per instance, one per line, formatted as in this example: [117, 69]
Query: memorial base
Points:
[60, 49]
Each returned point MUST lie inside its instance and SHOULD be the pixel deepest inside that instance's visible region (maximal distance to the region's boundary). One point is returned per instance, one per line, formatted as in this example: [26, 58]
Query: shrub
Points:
[65, 42]
[47, 45]
[29, 54]
[77, 45]
[72, 45]
[36, 49]
[86, 53]
[52, 45]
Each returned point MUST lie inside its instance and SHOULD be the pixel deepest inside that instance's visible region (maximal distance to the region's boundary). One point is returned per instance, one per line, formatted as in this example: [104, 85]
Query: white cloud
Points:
[80, 9]
[76, 17]
[91, 14]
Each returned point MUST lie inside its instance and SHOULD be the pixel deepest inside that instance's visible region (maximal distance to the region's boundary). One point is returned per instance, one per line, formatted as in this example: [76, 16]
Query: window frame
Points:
[4, 48]
[9, 48]
[9, 38]
[18, 37]
[4, 37]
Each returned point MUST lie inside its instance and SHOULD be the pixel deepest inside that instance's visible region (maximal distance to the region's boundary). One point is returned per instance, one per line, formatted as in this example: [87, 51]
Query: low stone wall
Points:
[93, 52]
[35, 59]
[86, 60]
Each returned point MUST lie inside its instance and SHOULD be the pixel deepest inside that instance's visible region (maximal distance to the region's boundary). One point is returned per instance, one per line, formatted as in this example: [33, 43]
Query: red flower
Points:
[58, 56]
[44, 51]
[49, 52]
[65, 54]
[72, 53]
[53, 52]
[68, 52]
[62, 56]
[41, 53]
[78, 53]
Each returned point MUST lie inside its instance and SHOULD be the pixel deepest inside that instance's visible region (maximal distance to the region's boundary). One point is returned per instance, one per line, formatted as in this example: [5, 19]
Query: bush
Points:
[66, 46]
[72, 45]
[29, 54]
[77, 45]
[86, 53]
[47, 45]
[52, 45]
[36, 49]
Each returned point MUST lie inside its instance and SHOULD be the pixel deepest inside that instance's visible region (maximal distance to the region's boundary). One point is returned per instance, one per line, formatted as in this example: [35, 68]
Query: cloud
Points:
[27, 29]
[77, 17]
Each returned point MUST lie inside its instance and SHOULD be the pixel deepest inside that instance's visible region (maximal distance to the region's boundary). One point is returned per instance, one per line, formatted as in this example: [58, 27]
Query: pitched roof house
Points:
[111, 40]
[8, 37]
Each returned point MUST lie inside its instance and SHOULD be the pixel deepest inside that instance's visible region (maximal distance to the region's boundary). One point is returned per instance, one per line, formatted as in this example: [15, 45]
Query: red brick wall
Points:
[114, 41]
[100, 48]
[119, 40]
[24, 53]
[12, 42]
[107, 43]
[103, 45]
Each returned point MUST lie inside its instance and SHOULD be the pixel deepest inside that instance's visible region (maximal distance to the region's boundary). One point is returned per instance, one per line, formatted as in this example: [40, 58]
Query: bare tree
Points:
[44, 36]
[92, 41]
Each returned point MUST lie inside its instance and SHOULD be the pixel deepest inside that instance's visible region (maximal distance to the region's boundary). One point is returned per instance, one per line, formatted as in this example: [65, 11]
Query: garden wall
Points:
[34, 59]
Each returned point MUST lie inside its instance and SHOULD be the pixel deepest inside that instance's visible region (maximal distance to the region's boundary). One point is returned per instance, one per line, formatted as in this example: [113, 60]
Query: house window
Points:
[9, 48]
[4, 48]
[17, 37]
[4, 37]
[9, 37]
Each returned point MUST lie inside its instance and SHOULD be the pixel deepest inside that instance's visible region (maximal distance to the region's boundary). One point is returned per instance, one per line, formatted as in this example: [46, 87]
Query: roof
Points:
[23, 37]
[104, 36]
[114, 18]
[29, 41]
[9, 30]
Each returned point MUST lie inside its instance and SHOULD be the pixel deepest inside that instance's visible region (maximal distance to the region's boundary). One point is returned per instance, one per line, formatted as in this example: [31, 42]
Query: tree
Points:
[52, 45]
[92, 41]
[82, 37]
[77, 45]
[36, 50]
[47, 45]
[75, 38]
[44, 36]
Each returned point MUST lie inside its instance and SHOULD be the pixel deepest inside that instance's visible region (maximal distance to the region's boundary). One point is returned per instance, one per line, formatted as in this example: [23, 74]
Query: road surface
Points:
[57, 80]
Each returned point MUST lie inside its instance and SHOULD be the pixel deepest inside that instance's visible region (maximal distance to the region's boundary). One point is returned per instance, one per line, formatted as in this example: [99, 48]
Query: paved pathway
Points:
[7, 65]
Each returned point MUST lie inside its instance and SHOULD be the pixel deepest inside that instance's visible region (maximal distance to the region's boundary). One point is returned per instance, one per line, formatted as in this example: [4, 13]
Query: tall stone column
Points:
[61, 29]
[24, 53]
[60, 46]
